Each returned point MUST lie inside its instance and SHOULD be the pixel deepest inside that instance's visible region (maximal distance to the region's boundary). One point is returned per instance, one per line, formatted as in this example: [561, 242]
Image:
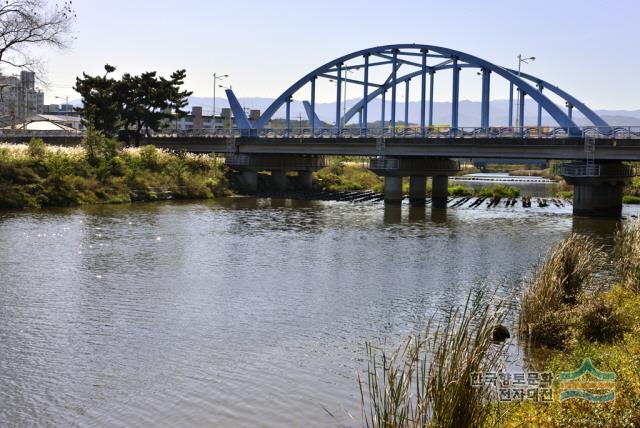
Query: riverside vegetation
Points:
[37, 175]
[345, 175]
[565, 310]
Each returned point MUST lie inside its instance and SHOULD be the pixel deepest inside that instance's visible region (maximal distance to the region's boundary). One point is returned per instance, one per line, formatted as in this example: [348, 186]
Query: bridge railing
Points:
[582, 169]
[543, 132]
[9, 134]
[530, 132]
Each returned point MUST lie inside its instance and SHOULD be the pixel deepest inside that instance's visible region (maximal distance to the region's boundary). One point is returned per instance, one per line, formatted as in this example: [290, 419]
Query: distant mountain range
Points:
[469, 112]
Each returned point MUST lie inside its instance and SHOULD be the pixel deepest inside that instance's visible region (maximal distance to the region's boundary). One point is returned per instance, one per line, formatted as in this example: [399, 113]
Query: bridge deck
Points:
[624, 149]
[508, 148]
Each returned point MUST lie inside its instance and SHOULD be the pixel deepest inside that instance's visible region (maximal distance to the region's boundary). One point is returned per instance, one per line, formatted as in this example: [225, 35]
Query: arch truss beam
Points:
[414, 60]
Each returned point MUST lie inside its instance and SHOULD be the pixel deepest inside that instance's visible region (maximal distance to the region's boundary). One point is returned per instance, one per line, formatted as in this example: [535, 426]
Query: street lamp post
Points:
[215, 81]
[520, 61]
[66, 102]
[344, 102]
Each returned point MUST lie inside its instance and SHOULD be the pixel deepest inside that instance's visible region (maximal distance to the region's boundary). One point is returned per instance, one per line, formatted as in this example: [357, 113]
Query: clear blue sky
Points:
[588, 47]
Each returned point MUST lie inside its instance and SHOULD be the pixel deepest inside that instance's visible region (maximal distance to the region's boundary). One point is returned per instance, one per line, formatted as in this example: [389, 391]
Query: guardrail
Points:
[619, 132]
[579, 169]
[20, 133]
[614, 132]
[382, 162]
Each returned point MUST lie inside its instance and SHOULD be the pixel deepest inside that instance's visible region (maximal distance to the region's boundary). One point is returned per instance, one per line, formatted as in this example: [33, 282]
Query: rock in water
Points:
[500, 333]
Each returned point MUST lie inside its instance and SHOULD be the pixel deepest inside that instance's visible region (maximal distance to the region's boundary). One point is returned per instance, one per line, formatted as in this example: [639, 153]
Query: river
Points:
[235, 312]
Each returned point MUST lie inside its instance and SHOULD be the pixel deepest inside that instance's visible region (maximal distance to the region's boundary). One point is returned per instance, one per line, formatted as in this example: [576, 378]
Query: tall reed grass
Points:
[627, 255]
[555, 286]
[427, 380]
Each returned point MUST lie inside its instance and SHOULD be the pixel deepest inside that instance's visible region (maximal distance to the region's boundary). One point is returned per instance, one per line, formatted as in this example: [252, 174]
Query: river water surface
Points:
[237, 312]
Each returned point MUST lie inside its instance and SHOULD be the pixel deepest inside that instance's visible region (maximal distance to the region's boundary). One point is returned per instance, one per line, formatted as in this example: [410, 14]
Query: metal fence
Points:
[578, 169]
[619, 132]
[615, 132]
[382, 162]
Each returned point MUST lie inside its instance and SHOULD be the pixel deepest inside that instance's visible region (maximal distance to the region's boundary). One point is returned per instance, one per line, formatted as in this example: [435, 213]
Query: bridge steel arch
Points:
[396, 56]
[592, 116]
[571, 100]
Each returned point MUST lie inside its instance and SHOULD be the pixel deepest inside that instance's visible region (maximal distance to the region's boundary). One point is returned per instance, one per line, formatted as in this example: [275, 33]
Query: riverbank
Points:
[35, 175]
[579, 318]
[584, 331]
[352, 176]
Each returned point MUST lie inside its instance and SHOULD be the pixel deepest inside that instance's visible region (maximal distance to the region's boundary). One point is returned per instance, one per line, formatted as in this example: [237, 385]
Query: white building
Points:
[196, 120]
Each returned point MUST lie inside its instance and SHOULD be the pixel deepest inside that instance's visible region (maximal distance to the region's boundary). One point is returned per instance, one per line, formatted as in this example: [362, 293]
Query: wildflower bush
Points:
[98, 171]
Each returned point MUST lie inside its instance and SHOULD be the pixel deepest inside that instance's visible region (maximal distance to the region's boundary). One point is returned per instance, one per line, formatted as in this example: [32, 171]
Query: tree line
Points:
[134, 105]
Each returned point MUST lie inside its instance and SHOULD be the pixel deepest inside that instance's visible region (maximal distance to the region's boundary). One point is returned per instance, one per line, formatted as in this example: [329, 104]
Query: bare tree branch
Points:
[29, 23]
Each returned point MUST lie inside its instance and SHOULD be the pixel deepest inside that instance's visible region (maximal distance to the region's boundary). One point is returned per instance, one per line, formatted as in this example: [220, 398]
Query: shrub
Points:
[98, 148]
[600, 322]
[150, 157]
[342, 177]
[631, 199]
[459, 191]
[626, 251]
[557, 283]
[37, 148]
[498, 191]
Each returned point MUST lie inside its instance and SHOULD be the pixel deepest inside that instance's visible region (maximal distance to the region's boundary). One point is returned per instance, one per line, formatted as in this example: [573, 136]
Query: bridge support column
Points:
[278, 165]
[305, 180]
[439, 191]
[279, 178]
[250, 181]
[597, 189]
[597, 199]
[392, 189]
[417, 190]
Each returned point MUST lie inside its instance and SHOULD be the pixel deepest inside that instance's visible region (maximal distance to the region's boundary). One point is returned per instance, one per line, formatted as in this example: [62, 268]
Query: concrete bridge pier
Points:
[392, 190]
[417, 169]
[417, 190]
[279, 178]
[597, 188]
[249, 181]
[278, 165]
[439, 191]
[305, 180]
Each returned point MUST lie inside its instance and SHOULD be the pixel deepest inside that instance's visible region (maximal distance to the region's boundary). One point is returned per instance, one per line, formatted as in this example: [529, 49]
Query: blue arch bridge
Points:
[397, 149]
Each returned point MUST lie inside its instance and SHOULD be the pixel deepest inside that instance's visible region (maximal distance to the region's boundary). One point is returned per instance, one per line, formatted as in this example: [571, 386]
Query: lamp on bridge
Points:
[520, 61]
[215, 81]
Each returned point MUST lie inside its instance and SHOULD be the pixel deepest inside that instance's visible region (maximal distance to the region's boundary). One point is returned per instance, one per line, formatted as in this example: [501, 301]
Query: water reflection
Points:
[601, 229]
[417, 214]
[439, 215]
[236, 312]
[392, 214]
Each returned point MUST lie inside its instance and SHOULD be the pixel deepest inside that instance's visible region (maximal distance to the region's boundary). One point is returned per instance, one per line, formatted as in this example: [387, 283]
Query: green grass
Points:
[565, 194]
[460, 191]
[498, 190]
[631, 199]
[344, 176]
[37, 175]
[621, 356]
[426, 381]
[422, 383]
